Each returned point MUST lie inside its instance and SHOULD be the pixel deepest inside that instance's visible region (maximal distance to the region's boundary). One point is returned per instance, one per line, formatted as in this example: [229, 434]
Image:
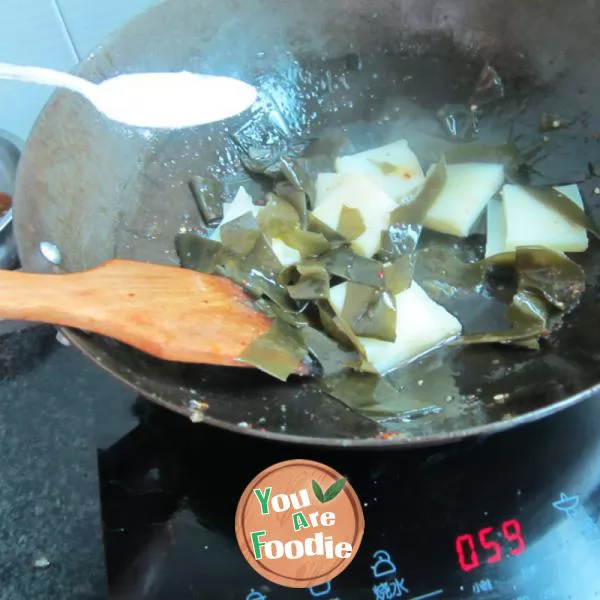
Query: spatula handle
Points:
[172, 313]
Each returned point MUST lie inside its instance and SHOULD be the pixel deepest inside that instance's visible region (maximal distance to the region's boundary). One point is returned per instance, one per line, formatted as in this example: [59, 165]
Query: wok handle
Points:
[169, 312]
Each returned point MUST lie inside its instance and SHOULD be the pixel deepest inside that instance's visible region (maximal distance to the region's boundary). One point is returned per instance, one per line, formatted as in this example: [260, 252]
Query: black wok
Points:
[383, 69]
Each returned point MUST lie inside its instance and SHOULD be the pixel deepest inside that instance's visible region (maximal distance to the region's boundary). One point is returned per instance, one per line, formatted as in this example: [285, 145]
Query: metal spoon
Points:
[154, 100]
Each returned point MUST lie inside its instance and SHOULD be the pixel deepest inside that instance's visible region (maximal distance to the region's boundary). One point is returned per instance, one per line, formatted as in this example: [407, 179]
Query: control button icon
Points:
[567, 504]
[318, 591]
[383, 564]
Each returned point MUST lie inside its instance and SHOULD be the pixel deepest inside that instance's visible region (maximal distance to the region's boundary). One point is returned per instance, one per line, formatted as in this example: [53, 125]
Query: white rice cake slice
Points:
[394, 165]
[360, 192]
[421, 325]
[240, 205]
[325, 184]
[530, 223]
[466, 193]
[495, 242]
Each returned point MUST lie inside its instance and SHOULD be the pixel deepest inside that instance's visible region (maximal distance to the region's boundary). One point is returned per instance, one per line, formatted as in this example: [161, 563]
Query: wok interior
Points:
[374, 72]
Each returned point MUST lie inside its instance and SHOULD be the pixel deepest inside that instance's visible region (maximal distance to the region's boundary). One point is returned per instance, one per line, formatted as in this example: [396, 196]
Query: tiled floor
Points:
[51, 33]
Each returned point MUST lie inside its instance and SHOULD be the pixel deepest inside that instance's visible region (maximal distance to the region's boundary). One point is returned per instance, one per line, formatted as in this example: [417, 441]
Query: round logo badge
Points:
[299, 523]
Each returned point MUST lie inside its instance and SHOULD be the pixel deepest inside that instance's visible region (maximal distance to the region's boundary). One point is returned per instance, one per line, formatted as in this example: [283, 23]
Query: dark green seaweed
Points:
[406, 221]
[374, 396]
[296, 197]
[308, 243]
[198, 253]
[344, 263]
[332, 358]
[279, 352]
[277, 217]
[547, 285]
[208, 193]
[370, 312]
[398, 274]
[306, 281]
[351, 224]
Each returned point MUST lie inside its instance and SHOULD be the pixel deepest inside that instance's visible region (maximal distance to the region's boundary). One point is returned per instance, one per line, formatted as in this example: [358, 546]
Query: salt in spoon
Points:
[150, 100]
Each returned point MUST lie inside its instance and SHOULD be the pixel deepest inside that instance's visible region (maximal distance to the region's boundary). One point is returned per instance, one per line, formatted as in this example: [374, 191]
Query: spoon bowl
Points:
[172, 100]
[151, 100]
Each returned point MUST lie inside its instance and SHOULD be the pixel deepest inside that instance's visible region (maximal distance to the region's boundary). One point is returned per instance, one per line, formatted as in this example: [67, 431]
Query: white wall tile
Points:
[31, 33]
[90, 22]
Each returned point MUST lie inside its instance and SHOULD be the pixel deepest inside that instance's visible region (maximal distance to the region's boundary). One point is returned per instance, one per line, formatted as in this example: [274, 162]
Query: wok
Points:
[380, 71]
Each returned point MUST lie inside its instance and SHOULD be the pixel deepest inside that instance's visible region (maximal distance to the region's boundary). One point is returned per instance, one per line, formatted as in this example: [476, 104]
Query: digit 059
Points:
[486, 547]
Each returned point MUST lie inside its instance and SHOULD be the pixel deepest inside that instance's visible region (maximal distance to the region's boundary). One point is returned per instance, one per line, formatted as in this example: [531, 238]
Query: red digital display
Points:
[486, 546]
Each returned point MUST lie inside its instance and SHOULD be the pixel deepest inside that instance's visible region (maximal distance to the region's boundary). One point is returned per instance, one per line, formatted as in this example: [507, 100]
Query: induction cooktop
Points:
[512, 516]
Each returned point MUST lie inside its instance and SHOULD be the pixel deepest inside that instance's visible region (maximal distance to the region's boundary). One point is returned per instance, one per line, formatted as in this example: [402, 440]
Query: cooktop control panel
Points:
[510, 517]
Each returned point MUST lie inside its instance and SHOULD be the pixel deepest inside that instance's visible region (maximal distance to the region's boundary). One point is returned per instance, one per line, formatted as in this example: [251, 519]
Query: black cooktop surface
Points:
[513, 516]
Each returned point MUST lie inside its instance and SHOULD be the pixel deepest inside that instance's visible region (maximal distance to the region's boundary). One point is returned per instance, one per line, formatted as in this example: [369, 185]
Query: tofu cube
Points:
[359, 192]
[466, 193]
[394, 165]
[421, 325]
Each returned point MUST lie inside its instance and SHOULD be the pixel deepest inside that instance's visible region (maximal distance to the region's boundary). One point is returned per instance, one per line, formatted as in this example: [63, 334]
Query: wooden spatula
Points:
[169, 312]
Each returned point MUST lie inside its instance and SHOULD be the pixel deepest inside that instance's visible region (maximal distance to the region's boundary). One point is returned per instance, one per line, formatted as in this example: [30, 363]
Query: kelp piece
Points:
[489, 87]
[406, 221]
[458, 121]
[370, 312]
[239, 235]
[279, 352]
[198, 253]
[329, 354]
[251, 262]
[338, 328]
[374, 396]
[306, 281]
[414, 212]
[278, 217]
[398, 240]
[308, 243]
[297, 172]
[351, 224]
[558, 279]
[262, 161]
[296, 197]
[291, 315]
[208, 194]
[547, 285]
[398, 274]
[530, 318]
[345, 264]
[259, 269]
[254, 272]
[442, 264]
